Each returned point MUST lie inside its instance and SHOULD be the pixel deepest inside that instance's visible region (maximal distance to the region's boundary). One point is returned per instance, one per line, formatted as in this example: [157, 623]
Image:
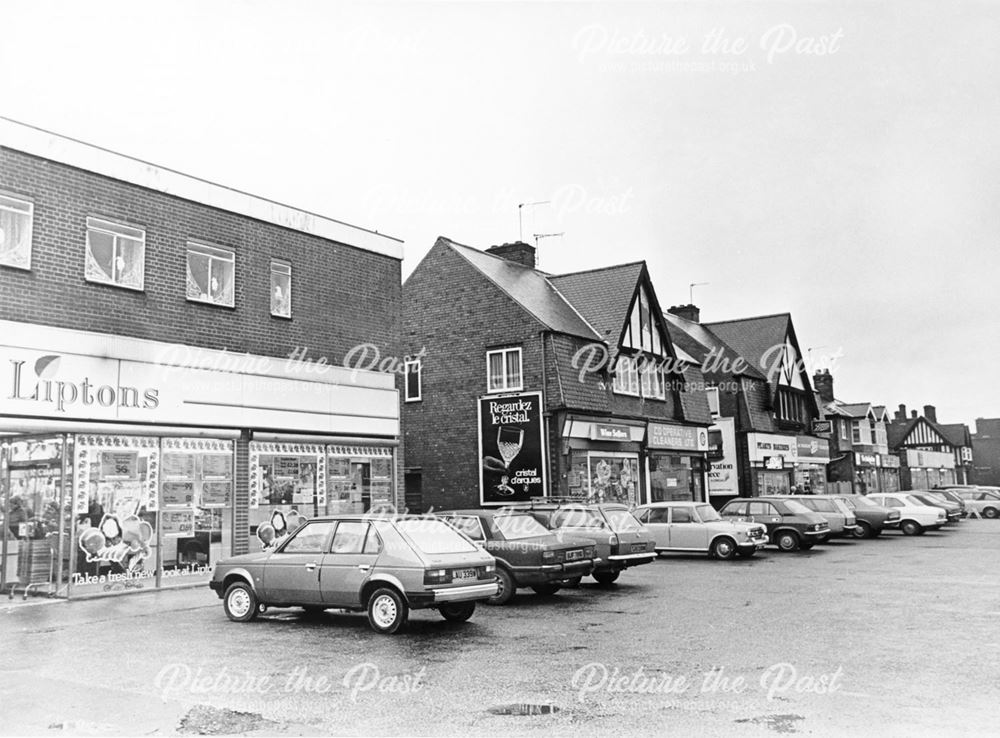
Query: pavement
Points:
[896, 635]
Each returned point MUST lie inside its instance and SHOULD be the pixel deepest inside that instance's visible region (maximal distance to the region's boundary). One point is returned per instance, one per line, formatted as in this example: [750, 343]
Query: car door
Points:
[763, 512]
[349, 562]
[657, 520]
[686, 531]
[291, 574]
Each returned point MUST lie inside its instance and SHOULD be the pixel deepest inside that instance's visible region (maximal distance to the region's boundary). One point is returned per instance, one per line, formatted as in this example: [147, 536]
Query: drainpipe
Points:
[546, 415]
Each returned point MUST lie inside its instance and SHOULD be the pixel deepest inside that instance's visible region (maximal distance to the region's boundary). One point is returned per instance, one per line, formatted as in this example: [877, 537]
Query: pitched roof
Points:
[957, 434]
[855, 410]
[713, 355]
[529, 288]
[897, 431]
[753, 338]
[602, 296]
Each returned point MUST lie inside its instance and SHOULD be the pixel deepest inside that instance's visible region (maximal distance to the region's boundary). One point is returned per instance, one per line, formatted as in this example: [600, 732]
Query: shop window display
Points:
[773, 483]
[600, 477]
[287, 481]
[360, 478]
[196, 501]
[812, 481]
[675, 477]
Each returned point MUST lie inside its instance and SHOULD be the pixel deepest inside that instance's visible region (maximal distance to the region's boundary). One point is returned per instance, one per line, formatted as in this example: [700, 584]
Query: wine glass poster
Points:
[511, 451]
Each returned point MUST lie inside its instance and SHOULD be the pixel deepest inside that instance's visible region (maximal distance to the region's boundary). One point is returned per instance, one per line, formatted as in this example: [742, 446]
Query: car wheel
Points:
[787, 541]
[606, 577]
[457, 612]
[506, 588]
[723, 548]
[990, 512]
[546, 589]
[863, 530]
[911, 528]
[387, 612]
[240, 602]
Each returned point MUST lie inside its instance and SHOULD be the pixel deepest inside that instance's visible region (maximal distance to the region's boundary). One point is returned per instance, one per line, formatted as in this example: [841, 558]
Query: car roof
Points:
[672, 503]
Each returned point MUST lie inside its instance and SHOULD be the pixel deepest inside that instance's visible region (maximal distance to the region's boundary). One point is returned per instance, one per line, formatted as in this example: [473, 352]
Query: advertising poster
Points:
[511, 450]
[178, 494]
[722, 472]
[119, 465]
[177, 523]
[178, 466]
[215, 494]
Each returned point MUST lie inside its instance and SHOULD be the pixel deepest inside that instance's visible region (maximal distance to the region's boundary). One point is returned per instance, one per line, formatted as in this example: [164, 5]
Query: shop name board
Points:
[40, 383]
[793, 449]
[822, 426]
[677, 437]
[930, 459]
[610, 432]
[774, 462]
[867, 459]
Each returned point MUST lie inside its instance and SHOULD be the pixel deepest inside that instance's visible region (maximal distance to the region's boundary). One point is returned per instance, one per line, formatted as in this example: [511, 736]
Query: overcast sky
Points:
[838, 161]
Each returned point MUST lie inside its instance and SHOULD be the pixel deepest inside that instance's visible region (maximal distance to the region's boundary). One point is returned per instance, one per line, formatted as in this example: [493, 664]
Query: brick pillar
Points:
[241, 497]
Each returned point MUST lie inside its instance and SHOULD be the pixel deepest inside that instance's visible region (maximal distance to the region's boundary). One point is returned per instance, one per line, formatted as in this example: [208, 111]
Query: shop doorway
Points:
[36, 513]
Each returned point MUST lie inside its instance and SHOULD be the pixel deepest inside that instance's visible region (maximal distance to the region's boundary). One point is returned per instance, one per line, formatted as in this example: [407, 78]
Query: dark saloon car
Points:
[621, 541]
[872, 519]
[790, 525]
[528, 554]
[385, 565]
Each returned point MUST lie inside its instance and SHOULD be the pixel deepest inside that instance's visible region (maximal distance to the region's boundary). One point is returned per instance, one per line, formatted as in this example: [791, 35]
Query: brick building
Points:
[986, 452]
[761, 401]
[531, 384]
[927, 458]
[147, 320]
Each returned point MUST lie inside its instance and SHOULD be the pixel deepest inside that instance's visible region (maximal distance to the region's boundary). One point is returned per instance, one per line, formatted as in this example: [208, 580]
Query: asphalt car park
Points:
[898, 632]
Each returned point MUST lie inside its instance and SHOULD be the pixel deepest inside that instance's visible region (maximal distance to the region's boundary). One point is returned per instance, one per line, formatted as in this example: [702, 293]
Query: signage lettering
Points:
[64, 394]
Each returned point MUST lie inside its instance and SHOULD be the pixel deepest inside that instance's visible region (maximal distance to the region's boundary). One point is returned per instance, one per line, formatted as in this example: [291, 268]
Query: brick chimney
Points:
[688, 312]
[930, 412]
[823, 383]
[913, 413]
[518, 252]
[901, 413]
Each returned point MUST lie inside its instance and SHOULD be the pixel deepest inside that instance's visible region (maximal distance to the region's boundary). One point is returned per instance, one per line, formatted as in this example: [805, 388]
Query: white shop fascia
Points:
[56, 379]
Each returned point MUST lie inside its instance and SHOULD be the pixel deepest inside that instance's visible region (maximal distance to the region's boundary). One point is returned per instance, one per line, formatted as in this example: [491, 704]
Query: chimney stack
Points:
[688, 312]
[518, 252]
[823, 383]
[913, 413]
[901, 413]
[930, 412]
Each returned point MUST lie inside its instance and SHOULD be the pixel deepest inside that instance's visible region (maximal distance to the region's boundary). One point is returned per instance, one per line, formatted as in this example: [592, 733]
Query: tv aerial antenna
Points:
[538, 237]
[520, 208]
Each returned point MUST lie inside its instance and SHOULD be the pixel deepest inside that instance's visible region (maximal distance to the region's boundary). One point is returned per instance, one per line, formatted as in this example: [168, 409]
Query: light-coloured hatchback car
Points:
[385, 565]
[915, 517]
[696, 527]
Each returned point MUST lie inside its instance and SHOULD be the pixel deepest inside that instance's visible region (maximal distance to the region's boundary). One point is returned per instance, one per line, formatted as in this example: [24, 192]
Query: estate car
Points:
[790, 525]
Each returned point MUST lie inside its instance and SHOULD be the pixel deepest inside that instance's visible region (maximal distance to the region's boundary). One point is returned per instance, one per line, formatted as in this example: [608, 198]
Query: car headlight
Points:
[490, 568]
[818, 526]
[548, 555]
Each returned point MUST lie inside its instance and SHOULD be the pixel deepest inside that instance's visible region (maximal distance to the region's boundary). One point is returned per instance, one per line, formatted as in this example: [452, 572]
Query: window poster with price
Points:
[511, 448]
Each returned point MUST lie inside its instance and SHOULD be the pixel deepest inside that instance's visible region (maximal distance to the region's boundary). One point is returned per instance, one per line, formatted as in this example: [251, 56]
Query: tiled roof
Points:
[694, 402]
[574, 390]
[602, 296]
[896, 431]
[698, 341]
[530, 289]
[957, 434]
[856, 410]
[753, 338]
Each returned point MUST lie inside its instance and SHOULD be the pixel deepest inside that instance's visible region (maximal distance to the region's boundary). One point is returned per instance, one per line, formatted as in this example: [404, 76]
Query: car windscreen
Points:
[621, 520]
[434, 536]
[708, 514]
[795, 508]
[514, 527]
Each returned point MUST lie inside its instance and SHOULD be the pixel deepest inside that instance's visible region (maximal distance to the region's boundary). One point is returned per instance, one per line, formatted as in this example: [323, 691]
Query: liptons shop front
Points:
[128, 464]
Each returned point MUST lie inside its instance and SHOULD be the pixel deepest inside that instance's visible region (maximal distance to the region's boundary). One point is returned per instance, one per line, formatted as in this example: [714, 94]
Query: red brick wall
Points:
[341, 296]
[456, 314]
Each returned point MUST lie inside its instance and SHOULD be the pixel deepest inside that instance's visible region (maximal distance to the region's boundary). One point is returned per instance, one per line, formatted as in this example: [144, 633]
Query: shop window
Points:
[115, 254]
[281, 289]
[414, 368]
[503, 370]
[675, 477]
[15, 232]
[211, 274]
[605, 477]
[360, 479]
[626, 379]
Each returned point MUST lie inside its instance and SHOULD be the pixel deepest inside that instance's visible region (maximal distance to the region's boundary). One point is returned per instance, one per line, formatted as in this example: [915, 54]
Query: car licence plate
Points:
[463, 574]
[638, 548]
[571, 555]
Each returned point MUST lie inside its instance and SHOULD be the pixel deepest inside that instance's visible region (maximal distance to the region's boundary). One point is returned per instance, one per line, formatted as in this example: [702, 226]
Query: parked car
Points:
[528, 554]
[695, 527]
[840, 517]
[950, 495]
[915, 517]
[952, 510]
[789, 524]
[386, 566]
[871, 519]
[983, 500]
[621, 541]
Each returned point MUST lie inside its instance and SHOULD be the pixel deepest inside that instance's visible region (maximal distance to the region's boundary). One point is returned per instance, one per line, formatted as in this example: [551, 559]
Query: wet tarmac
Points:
[898, 634]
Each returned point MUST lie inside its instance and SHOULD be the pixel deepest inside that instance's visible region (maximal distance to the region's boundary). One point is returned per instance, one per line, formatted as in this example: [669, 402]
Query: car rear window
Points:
[823, 505]
[622, 520]
[577, 518]
[795, 508]
[434, 536]
[514, 527]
